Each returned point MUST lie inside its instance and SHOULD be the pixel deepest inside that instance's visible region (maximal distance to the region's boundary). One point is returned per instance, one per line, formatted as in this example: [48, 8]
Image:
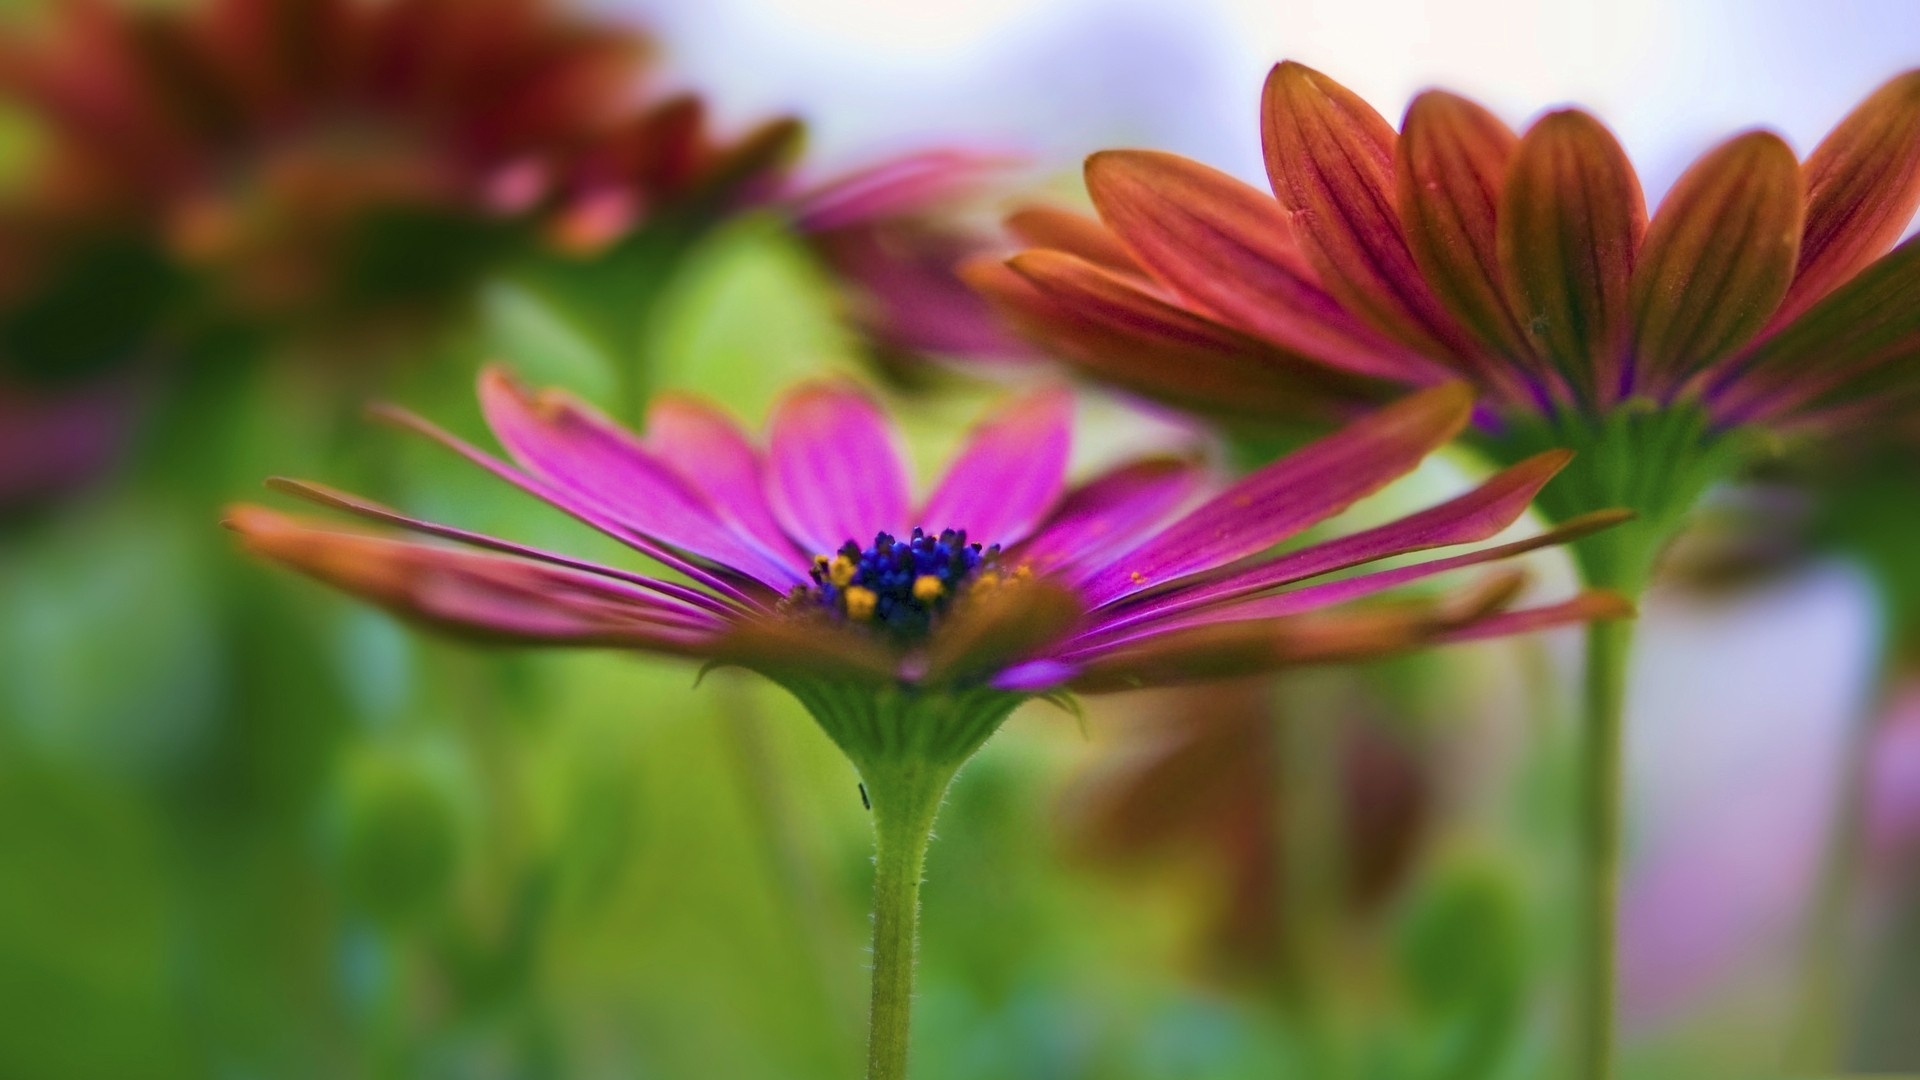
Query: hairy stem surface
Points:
[1608, 648]
[905, 797]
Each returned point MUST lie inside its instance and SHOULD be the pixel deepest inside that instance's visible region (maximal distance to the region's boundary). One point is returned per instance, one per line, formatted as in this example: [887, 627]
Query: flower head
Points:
[812, 563]
[1760, 291]
[1760, 295]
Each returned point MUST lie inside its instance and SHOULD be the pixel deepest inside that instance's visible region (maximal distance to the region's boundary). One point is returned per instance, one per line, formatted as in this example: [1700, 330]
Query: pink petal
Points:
[1346, 590]
[372, 511]
[907, 185]
[837, 471]
[1034, 676]
[595, 462]
[1206, 653]
[488, 596]
[1009, 474]
[1478, 515]
[1107, 516]
[714, 457]
[1294, 493]
[729, 584]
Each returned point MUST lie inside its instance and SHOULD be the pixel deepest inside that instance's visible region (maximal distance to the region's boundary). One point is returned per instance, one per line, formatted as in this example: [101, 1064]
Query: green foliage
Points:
[749, 313]
[399, 843]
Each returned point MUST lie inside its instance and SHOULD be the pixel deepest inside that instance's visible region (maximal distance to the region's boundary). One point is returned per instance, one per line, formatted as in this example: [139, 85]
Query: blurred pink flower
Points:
[1893, 783]
[53, 441]
[271, 142]
[895, 234]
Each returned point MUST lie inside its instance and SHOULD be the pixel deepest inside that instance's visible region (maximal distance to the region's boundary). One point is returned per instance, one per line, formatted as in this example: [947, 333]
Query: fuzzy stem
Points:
[906, 797]
[1608, 647]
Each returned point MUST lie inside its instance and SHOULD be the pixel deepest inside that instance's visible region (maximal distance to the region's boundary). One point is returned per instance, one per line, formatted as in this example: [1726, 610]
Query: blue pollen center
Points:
[898, 586]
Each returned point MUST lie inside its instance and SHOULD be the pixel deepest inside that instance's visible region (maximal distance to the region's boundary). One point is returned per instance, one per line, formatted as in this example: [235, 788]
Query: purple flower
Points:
[812, 562]
[909, 628]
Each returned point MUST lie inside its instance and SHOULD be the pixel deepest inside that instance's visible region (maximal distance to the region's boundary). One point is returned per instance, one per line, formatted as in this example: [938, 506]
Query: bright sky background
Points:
[1063, 77]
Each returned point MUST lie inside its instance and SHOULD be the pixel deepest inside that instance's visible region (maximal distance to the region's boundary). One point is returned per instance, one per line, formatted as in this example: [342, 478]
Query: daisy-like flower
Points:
[1761, 297]
[910, 628]
[301, 150]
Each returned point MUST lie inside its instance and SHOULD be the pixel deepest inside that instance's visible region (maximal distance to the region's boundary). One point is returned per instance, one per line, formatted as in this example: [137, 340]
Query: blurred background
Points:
[248, 829]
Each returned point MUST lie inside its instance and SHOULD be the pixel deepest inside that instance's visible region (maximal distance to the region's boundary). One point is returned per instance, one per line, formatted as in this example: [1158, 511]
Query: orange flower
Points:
[1761, 290]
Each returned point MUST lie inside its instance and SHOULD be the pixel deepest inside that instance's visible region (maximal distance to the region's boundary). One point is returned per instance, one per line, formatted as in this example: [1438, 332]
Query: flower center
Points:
[899, 586]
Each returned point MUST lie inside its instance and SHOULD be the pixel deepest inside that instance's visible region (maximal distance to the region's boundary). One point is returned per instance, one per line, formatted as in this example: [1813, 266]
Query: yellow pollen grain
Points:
[860, 603]
[927, 588]
[1137, 578]
[840, 571]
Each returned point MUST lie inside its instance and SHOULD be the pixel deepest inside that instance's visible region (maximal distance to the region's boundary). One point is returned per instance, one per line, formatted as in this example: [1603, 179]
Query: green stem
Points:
[1816, 1043]
[1609, 645]
[906, 797]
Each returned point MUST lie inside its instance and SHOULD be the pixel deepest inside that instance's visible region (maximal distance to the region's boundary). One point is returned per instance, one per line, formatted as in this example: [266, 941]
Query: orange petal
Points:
[1251, 647]
[1717, 258]
[1075, 234]
[1571, 216]
[1863, 184]
[1596, 605]
[1861, 344]
[1330, 158]
[1450, 163]
[1230, 248]
[1118, 333]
